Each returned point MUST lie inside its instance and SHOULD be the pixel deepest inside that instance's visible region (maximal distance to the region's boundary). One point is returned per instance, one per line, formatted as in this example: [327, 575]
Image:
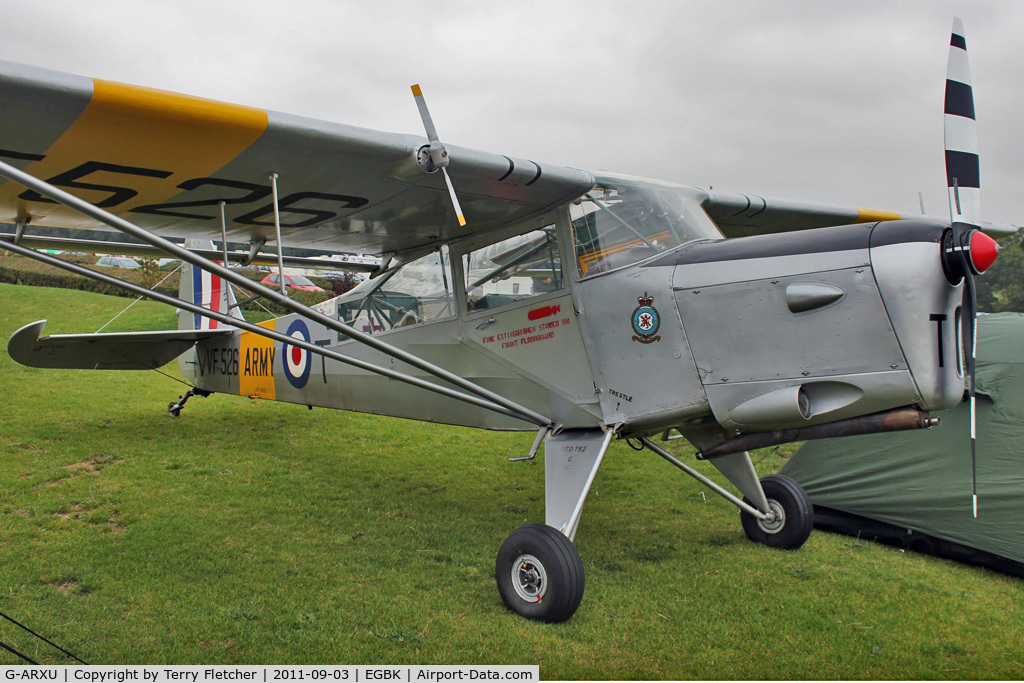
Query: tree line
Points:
[1001, 288]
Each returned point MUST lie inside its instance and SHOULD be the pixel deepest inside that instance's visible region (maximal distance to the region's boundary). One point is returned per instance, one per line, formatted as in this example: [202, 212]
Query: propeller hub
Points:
[432, 157]
[983, 251]
[967, 251]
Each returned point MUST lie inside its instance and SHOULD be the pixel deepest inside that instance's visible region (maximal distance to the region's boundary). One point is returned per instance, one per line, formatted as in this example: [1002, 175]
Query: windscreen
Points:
[621, 222]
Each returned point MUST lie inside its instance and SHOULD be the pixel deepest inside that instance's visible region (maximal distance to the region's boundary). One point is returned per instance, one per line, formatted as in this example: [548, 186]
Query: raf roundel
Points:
[297, 361]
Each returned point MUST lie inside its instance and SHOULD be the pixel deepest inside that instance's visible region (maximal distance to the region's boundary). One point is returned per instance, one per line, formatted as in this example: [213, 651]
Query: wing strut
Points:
[493, 400]
[223, 231]
[277, 230]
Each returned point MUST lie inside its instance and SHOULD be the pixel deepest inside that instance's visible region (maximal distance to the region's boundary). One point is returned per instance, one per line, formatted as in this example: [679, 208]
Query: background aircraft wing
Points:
[165, 161]
[739, 215]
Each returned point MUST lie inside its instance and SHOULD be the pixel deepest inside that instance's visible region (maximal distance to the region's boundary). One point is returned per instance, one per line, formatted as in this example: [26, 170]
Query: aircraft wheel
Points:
[539, 573]
[794, 515]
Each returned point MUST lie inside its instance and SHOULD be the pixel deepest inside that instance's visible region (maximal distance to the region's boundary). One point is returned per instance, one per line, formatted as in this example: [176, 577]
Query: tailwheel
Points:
[792, 515]
[539, 573]
[174, 407]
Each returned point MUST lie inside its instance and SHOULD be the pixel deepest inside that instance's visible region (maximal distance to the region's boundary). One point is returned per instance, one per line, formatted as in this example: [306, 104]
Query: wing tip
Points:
[868, 215]
[21, 343]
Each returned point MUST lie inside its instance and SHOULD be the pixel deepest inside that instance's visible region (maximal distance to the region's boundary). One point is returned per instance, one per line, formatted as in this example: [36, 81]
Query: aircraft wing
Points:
[740, 215]
[164, 161]
[111, 351]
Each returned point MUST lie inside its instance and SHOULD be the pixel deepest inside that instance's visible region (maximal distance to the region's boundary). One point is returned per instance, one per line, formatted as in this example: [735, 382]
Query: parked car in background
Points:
[118, 262]
[293, 281]
[356, 277]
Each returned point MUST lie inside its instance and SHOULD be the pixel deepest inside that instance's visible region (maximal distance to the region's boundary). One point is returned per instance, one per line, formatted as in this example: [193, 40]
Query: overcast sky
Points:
[837, 101]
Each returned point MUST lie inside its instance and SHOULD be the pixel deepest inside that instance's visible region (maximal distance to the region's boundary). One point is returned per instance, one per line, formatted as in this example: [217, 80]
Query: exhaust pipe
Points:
[898, 419]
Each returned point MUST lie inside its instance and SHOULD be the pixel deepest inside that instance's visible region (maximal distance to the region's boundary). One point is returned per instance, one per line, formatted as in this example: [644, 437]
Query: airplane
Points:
[510, 295]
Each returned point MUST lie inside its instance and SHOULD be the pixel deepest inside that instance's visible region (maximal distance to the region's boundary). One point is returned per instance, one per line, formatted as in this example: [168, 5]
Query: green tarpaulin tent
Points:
[914, 488]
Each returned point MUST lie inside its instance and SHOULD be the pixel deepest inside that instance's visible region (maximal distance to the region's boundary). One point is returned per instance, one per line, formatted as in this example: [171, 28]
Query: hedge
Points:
[20, 270]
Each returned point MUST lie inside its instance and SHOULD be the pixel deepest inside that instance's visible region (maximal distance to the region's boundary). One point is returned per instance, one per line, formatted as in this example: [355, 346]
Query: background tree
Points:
[1001, 288]
[342, 282]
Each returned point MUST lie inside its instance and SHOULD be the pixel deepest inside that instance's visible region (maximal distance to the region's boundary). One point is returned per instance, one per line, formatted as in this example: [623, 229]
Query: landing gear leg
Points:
[775, 510]
[539, 573]
[174, 407]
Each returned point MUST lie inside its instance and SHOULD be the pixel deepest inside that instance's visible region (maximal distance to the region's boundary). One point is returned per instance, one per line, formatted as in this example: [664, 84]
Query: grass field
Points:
[256, 532]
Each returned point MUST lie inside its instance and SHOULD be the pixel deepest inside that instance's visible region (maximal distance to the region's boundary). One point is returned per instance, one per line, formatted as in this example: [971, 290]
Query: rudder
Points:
[205, 289]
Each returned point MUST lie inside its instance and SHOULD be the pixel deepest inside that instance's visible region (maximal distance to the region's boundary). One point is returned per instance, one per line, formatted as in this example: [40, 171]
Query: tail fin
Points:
[207, 290]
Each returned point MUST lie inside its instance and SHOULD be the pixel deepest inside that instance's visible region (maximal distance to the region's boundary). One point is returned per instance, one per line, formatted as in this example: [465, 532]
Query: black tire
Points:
[539, 573]
[794, 515]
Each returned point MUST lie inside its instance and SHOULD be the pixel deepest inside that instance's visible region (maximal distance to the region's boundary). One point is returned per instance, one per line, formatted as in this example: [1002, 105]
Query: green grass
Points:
[256, 532]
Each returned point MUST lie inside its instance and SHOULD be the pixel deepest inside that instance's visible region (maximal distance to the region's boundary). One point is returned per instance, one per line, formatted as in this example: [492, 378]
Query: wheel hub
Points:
[776, 519]
[529, 578]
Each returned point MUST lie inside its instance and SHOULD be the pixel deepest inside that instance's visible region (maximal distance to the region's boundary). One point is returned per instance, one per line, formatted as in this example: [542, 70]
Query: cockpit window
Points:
[512, 270]
[621, 222]
[417, 292]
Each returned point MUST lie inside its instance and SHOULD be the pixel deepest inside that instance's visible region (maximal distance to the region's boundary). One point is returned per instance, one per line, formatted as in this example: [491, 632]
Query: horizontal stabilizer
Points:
[111, 351]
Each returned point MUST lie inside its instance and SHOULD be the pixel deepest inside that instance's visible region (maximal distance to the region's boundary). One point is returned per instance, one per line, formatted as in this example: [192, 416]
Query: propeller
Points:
[434, 156]
[967, 251]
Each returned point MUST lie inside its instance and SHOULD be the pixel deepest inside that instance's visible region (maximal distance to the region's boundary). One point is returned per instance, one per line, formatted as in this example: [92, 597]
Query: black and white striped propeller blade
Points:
[970, 248]
[961, 134]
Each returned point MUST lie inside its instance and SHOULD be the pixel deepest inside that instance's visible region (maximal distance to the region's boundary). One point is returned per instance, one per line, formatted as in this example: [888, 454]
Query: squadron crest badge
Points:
[646, 321]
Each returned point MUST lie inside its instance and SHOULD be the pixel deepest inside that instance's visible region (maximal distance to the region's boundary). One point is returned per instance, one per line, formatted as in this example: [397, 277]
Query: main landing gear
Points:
[539, 573]
[774, 511]
[538, 570]
[791, 519]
